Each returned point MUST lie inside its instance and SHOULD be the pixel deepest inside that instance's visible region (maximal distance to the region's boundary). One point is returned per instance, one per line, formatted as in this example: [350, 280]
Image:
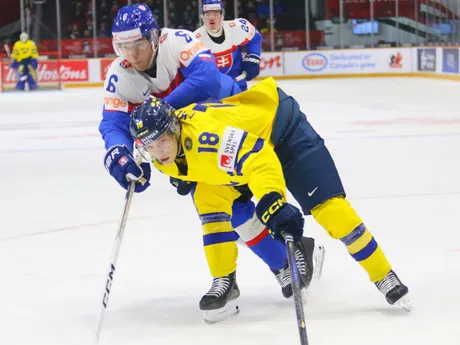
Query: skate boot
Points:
[394, 290]
[220, 301]
[309, 260]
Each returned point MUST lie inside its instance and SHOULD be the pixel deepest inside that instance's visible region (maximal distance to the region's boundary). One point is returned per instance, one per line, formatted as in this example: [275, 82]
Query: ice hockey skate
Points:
[309, 260]
[220, 301]
[394, 291]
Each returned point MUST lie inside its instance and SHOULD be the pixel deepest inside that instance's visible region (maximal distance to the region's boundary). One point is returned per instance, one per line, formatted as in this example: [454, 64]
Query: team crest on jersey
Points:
[224, 62]
[163, 37]
[198, 35]
[232, 24]
[188, 143]
[125, 64]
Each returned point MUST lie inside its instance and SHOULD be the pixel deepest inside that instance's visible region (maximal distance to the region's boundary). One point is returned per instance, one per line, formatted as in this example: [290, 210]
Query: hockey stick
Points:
[242, 76]
[295, 281]
[113, 261]
[7, 49]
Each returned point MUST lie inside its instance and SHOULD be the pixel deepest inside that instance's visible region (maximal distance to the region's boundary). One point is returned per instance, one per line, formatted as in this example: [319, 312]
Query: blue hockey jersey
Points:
[186, 73]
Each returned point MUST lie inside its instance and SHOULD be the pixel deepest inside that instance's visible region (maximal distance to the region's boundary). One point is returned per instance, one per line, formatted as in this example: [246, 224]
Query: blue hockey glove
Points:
[182, 187]
[120, 163]
[280, 217]
[251, 66]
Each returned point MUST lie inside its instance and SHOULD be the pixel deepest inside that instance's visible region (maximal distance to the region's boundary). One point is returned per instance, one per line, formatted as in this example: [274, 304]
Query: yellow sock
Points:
[342, 222]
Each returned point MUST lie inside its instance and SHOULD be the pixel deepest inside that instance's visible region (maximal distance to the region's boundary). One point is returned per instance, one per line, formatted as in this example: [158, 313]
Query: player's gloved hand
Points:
[182, 187]
[120, 163]
[280, 217]
[251, 64]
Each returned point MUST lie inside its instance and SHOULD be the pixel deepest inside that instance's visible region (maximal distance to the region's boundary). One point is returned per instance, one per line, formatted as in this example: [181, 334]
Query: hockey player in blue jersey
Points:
[174, 65]
[166, 63]
[227, 39]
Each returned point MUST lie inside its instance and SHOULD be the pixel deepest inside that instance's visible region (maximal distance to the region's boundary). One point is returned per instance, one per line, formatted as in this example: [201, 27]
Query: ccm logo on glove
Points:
[279, 216]
[272, 209]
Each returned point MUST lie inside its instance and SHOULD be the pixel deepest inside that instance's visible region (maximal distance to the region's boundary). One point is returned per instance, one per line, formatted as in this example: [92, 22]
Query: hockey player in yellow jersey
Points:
[25, 62]
[259, 139]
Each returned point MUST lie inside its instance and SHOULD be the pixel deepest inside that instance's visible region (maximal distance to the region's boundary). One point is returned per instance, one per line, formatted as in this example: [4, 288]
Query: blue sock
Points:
[271, 251]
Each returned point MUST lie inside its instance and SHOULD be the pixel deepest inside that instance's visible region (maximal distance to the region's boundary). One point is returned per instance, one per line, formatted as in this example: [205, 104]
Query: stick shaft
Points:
[295, 281]
[114, 258]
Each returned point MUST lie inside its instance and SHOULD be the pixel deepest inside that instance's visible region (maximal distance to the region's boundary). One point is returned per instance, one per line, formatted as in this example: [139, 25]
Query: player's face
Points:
[164, 149]
[212, 20]
[138, 53]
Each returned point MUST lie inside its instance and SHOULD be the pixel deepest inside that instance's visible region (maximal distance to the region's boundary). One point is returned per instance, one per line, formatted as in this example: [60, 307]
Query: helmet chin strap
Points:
[152, 60]
[154, 49]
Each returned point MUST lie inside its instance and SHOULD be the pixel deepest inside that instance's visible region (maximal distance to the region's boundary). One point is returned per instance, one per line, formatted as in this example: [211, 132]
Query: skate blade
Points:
[217, 315]
[318, 260]
[404, 303]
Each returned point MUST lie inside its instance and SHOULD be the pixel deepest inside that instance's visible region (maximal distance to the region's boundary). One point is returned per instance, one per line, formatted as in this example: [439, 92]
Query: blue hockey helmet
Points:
[213, 5]
[132, 23]
[152, 119]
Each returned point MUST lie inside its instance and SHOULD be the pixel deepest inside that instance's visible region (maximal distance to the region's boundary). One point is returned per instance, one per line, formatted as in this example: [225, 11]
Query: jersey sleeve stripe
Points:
[257, 147]
[178, 79]
[246, 41]
[205, 57]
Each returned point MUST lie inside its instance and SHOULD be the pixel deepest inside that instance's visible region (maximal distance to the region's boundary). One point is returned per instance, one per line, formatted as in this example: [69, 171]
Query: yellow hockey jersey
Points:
[22, 51]
[228, 142]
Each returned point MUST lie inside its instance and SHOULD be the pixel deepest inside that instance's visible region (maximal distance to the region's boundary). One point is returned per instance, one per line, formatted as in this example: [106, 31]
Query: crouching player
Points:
[173, 65]
[260, 138]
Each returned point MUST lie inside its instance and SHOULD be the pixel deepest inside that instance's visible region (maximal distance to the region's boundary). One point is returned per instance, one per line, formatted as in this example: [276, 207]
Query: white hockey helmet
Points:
[24, 37]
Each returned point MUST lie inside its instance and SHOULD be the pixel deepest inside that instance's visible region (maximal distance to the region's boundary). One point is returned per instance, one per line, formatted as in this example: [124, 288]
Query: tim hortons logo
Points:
[48, 72]
[273, 62]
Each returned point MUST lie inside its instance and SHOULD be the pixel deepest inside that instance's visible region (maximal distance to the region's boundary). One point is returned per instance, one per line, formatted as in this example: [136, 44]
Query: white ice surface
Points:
[396, 143]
